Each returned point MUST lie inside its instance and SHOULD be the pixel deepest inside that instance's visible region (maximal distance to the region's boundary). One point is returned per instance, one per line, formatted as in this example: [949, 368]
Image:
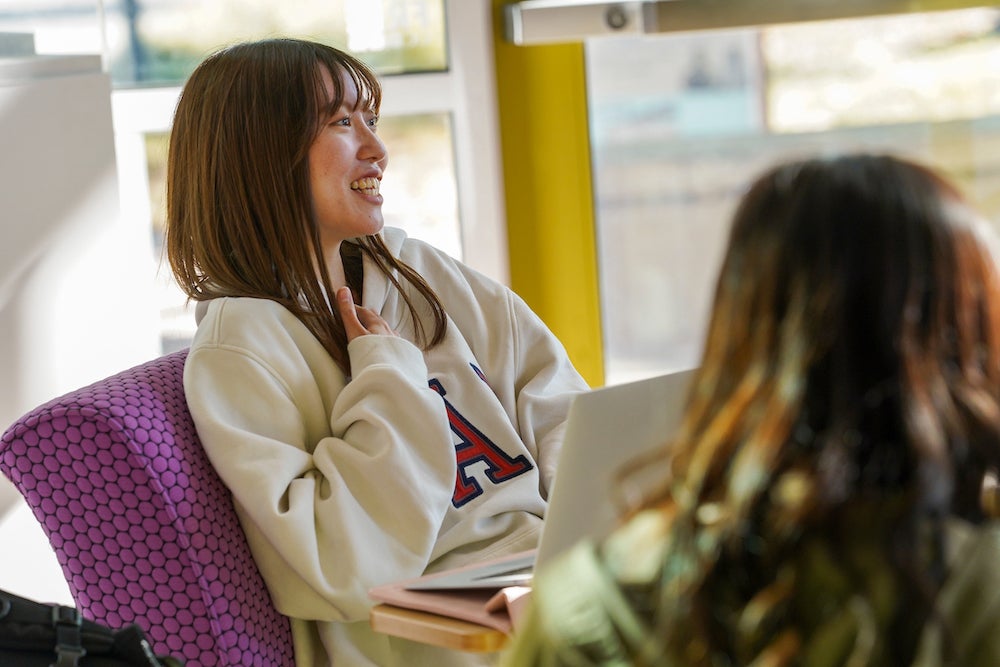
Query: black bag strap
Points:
[29, 625]
[67, 623]
[30, 628]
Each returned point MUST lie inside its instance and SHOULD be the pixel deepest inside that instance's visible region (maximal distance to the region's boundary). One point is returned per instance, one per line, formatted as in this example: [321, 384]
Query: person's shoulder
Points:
[963, 536]
[246, 322]
[234, 310]
[972, 553]
[254, 333]
[969, 600]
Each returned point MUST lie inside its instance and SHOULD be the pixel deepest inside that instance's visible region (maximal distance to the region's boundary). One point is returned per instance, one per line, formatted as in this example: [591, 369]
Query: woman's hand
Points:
[360, 321]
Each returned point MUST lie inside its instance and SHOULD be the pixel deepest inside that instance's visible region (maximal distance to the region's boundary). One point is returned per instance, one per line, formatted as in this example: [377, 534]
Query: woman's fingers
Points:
[373, 322]
[349, 314]
[359, 321]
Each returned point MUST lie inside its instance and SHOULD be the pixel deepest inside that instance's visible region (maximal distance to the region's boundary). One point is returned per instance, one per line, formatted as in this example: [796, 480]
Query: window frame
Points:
[466, 91]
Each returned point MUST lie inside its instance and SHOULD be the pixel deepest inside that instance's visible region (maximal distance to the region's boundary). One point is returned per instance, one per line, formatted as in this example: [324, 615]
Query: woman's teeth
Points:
[368, 186]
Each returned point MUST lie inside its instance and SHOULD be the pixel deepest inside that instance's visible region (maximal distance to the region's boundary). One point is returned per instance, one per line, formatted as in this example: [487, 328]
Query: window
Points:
[680, 123]
[159, 42]
[150, 46]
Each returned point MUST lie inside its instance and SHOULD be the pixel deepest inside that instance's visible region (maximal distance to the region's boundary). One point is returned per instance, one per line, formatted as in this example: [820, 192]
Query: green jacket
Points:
[582, 614]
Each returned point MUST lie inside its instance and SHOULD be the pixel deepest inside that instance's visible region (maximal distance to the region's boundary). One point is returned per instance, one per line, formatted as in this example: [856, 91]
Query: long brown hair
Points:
[239, 214]
[851, 369]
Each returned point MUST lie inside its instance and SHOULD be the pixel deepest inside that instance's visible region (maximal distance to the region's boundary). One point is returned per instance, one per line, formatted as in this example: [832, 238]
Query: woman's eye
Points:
[371, 122]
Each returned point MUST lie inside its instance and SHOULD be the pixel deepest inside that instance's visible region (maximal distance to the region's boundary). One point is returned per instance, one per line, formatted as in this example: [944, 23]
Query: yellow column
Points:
[544, 140]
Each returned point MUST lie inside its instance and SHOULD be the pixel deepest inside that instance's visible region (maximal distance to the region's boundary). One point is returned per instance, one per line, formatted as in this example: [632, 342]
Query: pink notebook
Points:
[495, 606]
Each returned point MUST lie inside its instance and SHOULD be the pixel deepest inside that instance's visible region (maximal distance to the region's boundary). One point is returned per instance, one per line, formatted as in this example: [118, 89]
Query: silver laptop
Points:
[606, 428]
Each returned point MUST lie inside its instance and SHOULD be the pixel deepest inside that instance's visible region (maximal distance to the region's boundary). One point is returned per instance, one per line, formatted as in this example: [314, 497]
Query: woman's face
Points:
[346, 161]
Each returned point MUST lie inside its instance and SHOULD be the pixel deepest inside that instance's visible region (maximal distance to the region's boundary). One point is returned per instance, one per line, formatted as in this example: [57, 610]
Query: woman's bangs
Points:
[369, 89]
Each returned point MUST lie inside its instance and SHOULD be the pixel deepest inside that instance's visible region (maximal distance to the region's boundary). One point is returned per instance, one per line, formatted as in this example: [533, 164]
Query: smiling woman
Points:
[341, 370]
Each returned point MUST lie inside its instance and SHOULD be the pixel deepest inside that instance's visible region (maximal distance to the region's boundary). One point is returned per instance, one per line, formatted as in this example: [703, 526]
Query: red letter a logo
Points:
[474, 447]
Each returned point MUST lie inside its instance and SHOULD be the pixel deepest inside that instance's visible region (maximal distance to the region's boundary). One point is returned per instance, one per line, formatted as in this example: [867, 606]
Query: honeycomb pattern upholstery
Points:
[141, 524]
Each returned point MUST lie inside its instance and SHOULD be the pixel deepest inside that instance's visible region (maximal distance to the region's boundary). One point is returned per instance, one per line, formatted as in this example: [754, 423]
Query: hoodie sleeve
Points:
[327, 519]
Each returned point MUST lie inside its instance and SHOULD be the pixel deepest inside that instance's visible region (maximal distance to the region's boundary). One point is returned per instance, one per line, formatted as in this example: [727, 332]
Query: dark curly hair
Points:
[847, 405]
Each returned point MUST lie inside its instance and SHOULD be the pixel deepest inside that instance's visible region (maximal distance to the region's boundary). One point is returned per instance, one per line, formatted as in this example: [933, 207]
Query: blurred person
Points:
[821, 503]
[377, 409]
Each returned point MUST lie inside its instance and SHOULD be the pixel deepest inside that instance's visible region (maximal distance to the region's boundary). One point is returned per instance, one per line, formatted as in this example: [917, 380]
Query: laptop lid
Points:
[606, 429]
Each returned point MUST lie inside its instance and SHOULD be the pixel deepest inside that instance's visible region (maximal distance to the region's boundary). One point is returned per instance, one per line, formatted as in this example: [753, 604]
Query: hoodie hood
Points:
[376, 292]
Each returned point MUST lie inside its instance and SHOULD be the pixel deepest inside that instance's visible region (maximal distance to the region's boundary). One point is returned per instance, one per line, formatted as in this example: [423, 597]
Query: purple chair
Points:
[142, 526]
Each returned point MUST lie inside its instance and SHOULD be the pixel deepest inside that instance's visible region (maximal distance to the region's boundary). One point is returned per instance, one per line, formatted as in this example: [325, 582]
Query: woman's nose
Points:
[372, 149]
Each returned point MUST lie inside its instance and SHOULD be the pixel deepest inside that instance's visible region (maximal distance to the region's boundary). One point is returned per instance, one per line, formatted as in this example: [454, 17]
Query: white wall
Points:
[75, 277]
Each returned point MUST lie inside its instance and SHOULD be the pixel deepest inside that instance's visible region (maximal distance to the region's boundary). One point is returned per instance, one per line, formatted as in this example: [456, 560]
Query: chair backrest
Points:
[142, 525]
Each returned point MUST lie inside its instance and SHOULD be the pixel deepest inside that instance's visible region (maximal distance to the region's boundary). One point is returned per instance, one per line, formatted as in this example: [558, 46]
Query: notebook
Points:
[605, 429]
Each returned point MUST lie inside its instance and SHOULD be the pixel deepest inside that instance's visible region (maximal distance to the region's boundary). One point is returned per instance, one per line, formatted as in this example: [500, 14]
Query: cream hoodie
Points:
[420, 462]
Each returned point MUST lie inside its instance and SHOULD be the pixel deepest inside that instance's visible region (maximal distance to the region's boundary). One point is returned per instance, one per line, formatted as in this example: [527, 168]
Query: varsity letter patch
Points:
[473, 447]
